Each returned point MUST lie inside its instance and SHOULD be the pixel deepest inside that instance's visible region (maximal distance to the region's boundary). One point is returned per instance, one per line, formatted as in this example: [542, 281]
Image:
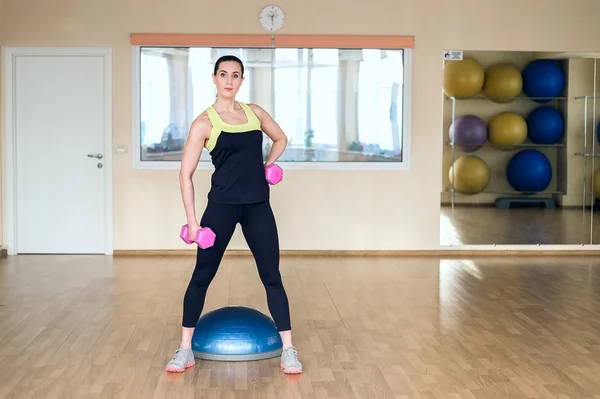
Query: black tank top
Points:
[236, 152]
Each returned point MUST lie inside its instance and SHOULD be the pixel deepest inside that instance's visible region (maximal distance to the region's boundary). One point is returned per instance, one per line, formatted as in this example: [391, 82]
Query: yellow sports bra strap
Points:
[214, 117]
[217, 127]
[253, 121]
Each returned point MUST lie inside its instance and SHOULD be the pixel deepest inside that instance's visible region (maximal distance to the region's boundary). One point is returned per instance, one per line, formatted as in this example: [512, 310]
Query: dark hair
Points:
[226, 58]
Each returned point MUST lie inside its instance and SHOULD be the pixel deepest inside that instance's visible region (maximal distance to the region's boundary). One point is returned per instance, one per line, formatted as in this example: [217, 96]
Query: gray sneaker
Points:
[289, 361]
[183, 359]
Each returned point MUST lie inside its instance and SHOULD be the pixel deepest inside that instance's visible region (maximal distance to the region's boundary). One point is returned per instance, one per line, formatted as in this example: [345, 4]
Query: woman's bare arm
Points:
[198, 134]
[273, 130]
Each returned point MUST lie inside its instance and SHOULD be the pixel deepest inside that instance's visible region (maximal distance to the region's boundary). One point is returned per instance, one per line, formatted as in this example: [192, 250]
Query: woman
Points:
[233, 133]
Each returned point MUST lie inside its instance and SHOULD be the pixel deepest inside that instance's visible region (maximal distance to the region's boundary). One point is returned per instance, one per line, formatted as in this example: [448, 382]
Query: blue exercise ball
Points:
[236, 333]
[545, 125]
[529, 171]
[543, 78]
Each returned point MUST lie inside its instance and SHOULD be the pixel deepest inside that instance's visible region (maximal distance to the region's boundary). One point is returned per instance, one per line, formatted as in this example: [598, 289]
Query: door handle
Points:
[99, 156]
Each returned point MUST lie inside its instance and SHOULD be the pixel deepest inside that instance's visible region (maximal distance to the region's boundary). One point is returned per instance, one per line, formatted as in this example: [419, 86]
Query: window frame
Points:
[293, 41]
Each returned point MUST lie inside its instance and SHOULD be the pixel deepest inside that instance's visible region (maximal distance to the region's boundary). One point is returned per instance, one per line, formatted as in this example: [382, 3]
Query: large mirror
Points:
[335, 105]
[517, 151]
[591, 152]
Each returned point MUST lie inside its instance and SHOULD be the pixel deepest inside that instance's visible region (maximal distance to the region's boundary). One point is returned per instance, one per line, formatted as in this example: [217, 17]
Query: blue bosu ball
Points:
[236, 333]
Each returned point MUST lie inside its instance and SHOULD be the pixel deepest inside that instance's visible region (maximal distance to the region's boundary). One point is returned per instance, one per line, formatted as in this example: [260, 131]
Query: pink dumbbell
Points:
[205, 237]
[274, 174]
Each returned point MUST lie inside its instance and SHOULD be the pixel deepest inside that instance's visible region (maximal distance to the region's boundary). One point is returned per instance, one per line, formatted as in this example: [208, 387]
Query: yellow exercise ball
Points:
[470, 174]
[596, 188]
[463, 78]
[507, 128]
[503, 82]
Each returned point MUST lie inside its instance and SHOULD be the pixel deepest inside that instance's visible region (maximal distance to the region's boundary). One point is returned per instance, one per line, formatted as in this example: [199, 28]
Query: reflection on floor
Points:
[468, 225]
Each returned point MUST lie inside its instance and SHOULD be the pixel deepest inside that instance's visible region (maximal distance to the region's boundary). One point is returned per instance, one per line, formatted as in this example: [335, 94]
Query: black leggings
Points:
[260, 231]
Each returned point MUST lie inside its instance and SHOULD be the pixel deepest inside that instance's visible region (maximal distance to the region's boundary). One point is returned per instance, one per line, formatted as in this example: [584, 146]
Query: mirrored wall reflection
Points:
[591, 152]
[517, 160]
[335, 105]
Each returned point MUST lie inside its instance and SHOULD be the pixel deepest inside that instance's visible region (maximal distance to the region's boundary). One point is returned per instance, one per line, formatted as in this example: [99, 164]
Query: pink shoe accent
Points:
[176, 370]
[291, 370]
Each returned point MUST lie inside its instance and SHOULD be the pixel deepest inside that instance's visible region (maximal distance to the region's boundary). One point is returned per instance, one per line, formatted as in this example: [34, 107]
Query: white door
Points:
[59, 128]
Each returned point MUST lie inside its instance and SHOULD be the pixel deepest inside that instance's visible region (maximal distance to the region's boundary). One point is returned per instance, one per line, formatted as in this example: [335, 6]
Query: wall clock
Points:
[272, 18]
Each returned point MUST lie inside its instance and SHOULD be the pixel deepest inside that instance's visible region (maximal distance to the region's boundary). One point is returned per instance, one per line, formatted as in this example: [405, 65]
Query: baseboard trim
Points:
[405, 253]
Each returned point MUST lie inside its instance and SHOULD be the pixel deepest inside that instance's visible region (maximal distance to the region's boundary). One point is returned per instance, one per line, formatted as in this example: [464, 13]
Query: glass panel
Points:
[340, 105]
[176, 86]
[512, 132]
[592, 129]
[335, 105]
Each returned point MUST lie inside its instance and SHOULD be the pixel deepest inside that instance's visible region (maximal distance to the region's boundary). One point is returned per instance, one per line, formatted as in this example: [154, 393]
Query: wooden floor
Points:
[486, 225]
[98, 327]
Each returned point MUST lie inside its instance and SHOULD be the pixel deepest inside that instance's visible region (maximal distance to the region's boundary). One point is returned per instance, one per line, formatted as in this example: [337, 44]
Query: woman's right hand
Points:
[192, 229]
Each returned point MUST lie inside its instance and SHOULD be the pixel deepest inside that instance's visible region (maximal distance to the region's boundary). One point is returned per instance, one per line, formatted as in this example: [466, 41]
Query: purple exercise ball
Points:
[469, 132]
